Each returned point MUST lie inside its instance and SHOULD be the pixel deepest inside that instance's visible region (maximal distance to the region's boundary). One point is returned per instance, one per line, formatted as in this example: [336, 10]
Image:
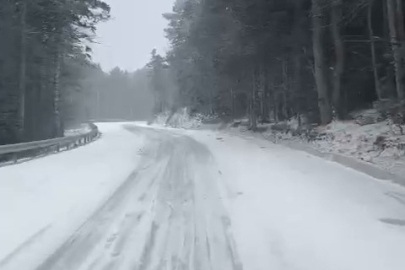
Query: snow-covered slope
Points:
[379, 144]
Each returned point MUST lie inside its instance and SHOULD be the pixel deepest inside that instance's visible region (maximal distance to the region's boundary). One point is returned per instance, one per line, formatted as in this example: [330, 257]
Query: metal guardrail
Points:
[14, 152]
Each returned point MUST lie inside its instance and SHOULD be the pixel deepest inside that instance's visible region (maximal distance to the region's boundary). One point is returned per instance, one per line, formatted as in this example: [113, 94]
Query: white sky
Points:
[135, 29]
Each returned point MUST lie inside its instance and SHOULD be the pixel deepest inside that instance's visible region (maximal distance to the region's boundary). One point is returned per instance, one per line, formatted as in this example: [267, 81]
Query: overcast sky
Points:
[135, 29]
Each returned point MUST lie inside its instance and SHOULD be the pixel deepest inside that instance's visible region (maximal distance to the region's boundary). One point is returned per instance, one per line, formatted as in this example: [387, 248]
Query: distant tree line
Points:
[43, 54]
[117, 95]
[162, 84]
[276, 59]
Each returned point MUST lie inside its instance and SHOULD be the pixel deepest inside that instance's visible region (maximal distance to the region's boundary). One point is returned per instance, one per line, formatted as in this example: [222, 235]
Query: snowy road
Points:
[167, 215]
[204, 200]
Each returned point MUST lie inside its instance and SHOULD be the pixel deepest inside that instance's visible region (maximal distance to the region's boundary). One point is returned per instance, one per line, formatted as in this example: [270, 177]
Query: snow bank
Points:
[380, 144]
[82, 129]
[179, 119]
[45, 200]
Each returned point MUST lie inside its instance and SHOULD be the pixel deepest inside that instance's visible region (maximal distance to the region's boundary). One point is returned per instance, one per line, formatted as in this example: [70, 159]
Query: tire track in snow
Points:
[167, 215]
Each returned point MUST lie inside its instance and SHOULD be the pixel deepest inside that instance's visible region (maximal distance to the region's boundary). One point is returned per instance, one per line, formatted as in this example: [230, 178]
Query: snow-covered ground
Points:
[292, 210]
[379, 144]
[194, 199]
[43, 201]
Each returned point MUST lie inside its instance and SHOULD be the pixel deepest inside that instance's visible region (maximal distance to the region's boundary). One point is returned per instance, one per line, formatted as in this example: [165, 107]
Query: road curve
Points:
[203, 200]
[168, 214]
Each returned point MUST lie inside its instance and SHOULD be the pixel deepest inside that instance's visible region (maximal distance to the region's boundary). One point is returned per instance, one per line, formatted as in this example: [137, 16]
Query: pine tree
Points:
[41, 39]
[273, 60]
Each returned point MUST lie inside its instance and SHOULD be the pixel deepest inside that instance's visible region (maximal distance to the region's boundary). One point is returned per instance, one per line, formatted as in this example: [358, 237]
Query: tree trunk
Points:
[253, 117]
[58, 132]
[284, 67]
[276, 106]
[261, 94]
[396, 48]
[23, 71]
[297, 85]
[400, 23]
[41, 98]
[401, 39]
[377, 83]
[232, 103]
[320, 67]
[336, 17]
[266, 96]
[389, 88]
